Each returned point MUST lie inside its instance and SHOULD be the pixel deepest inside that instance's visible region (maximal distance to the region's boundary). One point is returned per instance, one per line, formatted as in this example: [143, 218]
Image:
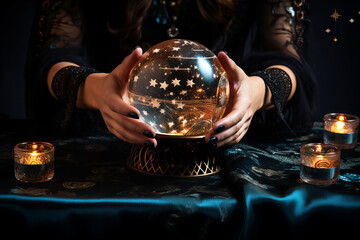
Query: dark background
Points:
[336, 64]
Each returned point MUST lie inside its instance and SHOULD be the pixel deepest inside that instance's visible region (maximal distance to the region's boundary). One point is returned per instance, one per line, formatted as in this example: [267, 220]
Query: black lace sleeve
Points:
[279, 41]
[58, 33]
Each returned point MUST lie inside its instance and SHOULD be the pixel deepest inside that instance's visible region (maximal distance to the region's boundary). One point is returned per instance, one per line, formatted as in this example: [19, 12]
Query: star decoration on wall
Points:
[335, 15]
[335, 28]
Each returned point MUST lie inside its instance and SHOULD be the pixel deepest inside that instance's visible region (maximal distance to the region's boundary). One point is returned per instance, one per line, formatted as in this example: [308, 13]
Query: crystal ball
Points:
[179, 87]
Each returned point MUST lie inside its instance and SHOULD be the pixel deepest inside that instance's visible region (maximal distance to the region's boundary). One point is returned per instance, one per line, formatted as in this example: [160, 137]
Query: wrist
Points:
[89, 94]
[260, 93]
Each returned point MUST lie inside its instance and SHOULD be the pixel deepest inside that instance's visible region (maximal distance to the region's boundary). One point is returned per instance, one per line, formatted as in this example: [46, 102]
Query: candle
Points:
[341, 130]
[34, 161]
[320, 163]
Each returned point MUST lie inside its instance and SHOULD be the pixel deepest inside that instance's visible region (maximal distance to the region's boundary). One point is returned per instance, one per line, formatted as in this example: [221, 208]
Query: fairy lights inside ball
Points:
[179, 87]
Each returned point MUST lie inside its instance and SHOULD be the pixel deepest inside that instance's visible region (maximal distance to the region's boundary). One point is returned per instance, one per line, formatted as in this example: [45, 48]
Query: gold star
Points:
[164, 85]
[351, 20]
[155, 103]
[335, 39]
[327, 30]
[335, 15]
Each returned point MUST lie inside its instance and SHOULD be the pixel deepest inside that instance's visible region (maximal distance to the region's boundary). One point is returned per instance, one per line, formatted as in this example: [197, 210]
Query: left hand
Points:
[246, 97]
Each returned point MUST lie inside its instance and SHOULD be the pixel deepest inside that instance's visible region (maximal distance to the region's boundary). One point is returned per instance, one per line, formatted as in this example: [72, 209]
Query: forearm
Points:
[88, 92]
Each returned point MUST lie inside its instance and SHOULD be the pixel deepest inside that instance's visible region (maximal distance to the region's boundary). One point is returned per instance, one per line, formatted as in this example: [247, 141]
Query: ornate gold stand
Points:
[187, 156]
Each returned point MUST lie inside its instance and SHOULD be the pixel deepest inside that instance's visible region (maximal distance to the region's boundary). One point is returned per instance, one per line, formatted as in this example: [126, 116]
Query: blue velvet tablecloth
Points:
[277, 204]
[258, 194]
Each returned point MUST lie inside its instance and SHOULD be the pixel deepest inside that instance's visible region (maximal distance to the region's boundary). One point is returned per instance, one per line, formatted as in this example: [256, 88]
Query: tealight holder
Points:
[341, 130]
[320, 163]
[34, 161]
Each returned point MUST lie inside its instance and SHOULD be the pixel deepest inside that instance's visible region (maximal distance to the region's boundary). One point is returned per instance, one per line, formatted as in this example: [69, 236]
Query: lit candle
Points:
[320, 163]
[34, 161]
[341, 130]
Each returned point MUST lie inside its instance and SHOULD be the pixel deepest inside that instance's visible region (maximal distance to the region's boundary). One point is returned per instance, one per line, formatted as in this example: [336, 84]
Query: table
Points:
[278, 205]
[94, 195]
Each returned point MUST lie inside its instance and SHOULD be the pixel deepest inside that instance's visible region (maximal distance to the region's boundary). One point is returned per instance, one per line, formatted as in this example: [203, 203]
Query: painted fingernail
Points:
[148, 134]
[220, 128]
[149, 144]
[133, 115]
[212, 140]
[137, 46]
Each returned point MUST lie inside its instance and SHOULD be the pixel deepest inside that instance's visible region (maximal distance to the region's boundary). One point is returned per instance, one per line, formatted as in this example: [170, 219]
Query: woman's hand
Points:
[121, 118]
[246, 97]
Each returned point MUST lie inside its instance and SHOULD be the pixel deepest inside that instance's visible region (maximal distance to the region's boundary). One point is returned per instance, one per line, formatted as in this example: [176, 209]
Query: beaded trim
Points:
[280, 86]
[65, 86]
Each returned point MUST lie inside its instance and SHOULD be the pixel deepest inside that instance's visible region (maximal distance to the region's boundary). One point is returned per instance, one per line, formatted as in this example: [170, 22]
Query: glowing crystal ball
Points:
[179, 87]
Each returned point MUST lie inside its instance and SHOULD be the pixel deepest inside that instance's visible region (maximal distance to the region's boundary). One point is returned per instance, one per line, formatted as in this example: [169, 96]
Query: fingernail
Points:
[220, 129]
[212, 140]
[149, 144]
[148, 134]
[137, 46]
[133, 115]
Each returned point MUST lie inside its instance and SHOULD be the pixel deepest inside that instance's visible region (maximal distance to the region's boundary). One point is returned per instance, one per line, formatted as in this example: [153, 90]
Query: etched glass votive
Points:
[34, 161]
[320, 163]
[341, 130]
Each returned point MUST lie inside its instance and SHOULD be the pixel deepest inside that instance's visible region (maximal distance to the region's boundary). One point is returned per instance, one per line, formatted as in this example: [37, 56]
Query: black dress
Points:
[263, 33]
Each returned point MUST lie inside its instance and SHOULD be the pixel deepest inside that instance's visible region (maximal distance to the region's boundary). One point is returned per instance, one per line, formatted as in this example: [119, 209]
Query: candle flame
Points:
[341, 118]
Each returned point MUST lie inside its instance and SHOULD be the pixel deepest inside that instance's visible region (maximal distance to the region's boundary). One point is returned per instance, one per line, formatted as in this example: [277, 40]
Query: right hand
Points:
[121, 118]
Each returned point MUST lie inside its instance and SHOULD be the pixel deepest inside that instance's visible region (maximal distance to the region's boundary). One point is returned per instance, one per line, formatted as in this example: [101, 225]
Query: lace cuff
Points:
[65, 85]
[280, 86]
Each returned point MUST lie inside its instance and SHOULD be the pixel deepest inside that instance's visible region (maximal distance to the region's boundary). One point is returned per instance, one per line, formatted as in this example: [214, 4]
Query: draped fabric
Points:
[94, 195]
[264, 175]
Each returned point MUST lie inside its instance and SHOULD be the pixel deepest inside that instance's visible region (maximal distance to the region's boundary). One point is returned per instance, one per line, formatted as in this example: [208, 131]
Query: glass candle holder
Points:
[34, 161]
[341, 130]
[320, 163]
